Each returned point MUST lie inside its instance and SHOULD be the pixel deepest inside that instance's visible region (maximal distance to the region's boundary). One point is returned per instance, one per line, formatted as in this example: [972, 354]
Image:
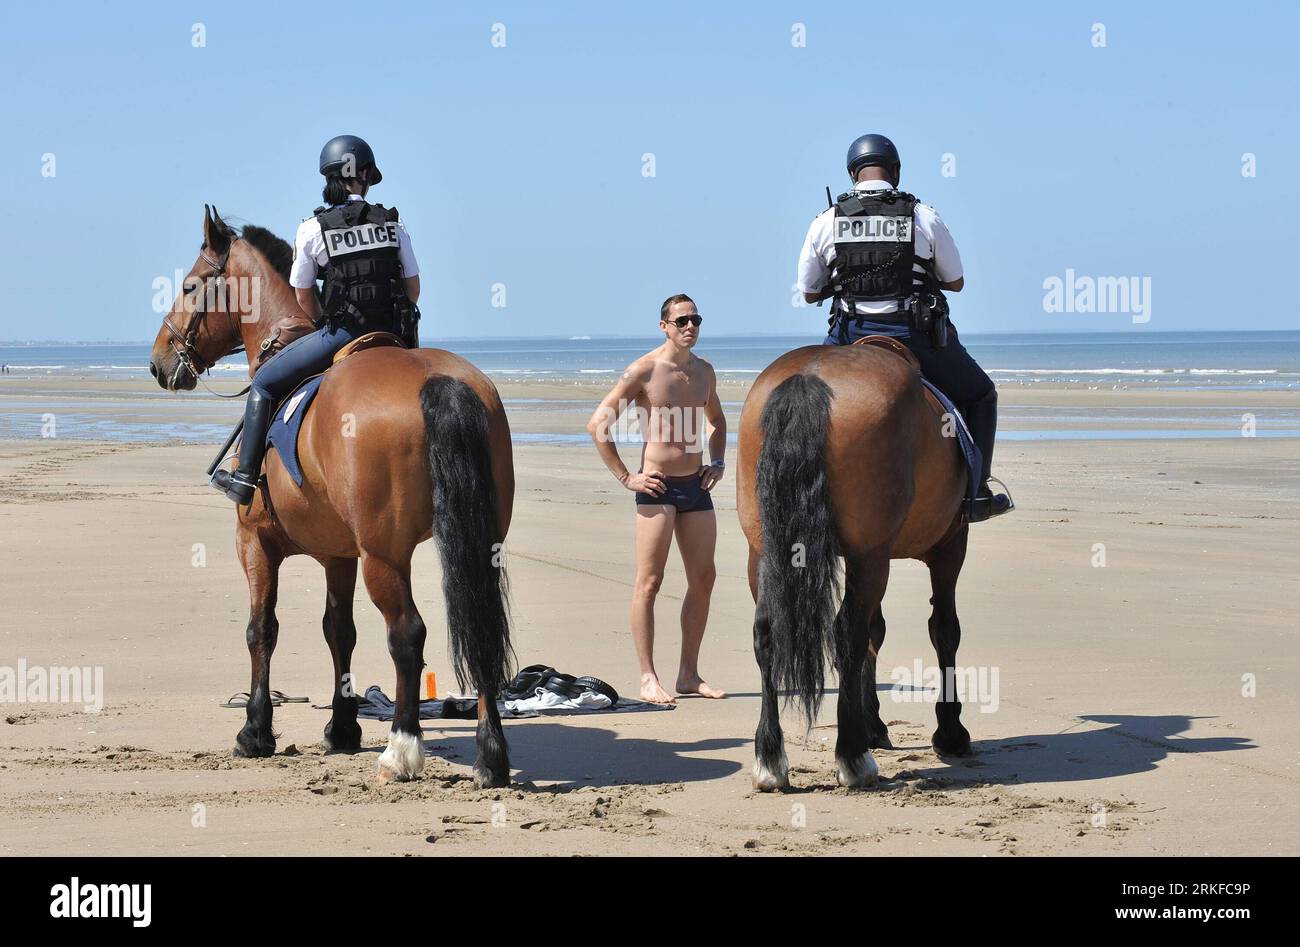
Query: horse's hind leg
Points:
[342, 733]
[864, 587]
[492, 768]
[945, 562]
[261, 561]
[877, 731]
[390, 589]
[771, 768]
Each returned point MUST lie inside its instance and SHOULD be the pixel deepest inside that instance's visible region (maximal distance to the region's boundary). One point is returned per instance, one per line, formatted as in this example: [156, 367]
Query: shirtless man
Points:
[674, 391]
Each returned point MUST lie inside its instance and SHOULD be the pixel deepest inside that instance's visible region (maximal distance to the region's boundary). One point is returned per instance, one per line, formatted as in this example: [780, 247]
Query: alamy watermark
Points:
[83, 899]
[656, 424]
[242, 294]
[53, 685]
[1103, 294]
[926, 685]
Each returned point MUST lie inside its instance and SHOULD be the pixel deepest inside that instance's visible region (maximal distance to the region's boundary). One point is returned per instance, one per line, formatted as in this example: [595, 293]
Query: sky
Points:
[524, 165]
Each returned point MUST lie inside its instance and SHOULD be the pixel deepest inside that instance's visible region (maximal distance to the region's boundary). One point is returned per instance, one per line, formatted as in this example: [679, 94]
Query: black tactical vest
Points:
[875, 249]
[363, 290]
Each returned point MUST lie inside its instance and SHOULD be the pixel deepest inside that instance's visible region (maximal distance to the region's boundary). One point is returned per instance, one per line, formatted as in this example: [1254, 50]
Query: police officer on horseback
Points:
[885, 260]
[371, 284]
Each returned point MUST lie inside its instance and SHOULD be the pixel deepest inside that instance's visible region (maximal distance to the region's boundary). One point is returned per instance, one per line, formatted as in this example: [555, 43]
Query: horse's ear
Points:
[215, 234]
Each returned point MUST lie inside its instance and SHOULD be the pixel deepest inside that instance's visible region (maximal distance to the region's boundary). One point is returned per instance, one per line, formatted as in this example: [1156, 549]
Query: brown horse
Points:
[843, 453]
[399, 445]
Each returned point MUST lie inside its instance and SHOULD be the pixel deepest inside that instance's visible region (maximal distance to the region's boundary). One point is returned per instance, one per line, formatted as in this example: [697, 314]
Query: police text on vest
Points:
[361, 237]
[873, 229]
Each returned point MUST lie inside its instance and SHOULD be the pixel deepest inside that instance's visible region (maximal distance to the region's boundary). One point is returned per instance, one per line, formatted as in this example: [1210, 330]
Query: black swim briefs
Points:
[684, 493]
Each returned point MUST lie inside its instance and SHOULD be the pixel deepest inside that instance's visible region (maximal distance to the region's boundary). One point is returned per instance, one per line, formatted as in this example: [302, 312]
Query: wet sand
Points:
[1122, 722]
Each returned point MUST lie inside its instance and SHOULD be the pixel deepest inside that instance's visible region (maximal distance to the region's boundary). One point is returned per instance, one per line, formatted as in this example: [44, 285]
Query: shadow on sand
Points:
[573, 756]
[592, 756]
[1126, 745]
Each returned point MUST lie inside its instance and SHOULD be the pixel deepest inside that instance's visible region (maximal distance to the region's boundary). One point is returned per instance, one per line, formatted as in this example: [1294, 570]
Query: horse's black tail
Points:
[798, 576]
[466, 528]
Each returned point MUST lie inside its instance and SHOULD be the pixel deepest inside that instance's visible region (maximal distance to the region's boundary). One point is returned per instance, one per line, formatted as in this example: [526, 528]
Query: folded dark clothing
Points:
[527, 681]
[460, 708]
[376, 705]
[534, 676]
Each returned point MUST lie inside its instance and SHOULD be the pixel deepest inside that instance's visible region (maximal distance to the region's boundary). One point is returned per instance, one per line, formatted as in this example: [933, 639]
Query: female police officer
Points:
[372, 283]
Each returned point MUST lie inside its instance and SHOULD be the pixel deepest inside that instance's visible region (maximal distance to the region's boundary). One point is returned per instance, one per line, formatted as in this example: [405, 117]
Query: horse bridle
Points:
[182, 343]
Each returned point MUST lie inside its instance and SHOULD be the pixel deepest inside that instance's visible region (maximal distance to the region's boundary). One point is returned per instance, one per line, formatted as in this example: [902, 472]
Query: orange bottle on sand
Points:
[430, 685]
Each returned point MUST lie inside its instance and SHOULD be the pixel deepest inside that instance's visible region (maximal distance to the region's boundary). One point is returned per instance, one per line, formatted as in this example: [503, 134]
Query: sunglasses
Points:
[683, 321]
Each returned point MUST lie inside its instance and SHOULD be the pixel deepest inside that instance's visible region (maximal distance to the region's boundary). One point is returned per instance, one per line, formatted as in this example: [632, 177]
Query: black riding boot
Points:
[242, 484]
[982, 419]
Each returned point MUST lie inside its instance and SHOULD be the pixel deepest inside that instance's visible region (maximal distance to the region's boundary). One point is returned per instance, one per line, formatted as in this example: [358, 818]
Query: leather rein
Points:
[182, 343]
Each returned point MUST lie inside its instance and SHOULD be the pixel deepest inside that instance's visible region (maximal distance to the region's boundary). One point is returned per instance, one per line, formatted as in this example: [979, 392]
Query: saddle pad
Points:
[969, 450]
[287, 423]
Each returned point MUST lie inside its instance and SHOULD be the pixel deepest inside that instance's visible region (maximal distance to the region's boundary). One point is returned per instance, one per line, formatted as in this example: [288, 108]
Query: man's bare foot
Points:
[697, 685]
[652, 691]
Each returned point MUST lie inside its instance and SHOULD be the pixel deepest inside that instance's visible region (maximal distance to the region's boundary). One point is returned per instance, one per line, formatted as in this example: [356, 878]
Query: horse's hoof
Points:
[402, 760]
[858, 772]
[957, 744]
[771, 780]
[250, 746]
[484, 778]
[342, 736]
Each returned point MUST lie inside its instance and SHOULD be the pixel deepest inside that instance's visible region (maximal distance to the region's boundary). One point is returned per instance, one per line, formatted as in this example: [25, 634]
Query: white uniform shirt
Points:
[309, 252]
[932, 241]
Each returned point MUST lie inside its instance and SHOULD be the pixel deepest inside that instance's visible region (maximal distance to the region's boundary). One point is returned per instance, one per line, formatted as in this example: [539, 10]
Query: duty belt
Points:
[932, 321]
[898, 317]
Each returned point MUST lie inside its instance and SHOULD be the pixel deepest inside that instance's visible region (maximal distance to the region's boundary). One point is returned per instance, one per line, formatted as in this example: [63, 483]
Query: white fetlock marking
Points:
[404, 757]
[766, 780]
[860, 771]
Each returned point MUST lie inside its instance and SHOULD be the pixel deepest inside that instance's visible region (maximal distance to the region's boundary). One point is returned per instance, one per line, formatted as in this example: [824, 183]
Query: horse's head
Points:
[200, 328]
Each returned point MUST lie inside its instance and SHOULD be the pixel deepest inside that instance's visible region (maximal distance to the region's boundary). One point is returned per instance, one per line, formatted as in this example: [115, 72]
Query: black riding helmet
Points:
[334, 156]
[872, 151]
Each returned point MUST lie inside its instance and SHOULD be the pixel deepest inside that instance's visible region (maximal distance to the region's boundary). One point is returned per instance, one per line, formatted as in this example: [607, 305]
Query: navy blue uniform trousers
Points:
[951, 368]
[305, 356]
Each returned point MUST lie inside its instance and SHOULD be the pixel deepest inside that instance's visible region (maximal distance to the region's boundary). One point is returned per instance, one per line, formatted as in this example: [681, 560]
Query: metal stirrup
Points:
[1011, 503]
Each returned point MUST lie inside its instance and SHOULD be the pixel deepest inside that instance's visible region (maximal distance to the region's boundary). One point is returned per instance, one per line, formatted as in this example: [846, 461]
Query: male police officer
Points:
[885, 259]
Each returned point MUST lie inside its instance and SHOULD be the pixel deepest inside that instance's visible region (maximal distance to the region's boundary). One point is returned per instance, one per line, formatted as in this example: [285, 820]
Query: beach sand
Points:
[1125, 720]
